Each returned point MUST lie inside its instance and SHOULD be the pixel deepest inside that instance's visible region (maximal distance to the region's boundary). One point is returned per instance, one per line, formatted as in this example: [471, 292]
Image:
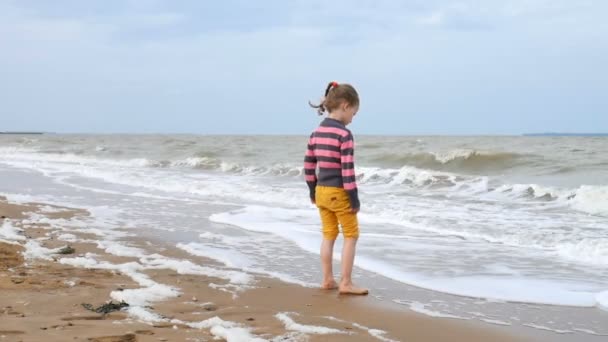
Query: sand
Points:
[42, 300]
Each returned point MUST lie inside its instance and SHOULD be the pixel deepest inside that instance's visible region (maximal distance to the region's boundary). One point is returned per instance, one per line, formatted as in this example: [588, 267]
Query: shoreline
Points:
[46, 296]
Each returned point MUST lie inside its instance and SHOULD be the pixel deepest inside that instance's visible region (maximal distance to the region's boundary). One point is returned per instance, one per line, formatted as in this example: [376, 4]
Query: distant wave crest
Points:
[454, 160]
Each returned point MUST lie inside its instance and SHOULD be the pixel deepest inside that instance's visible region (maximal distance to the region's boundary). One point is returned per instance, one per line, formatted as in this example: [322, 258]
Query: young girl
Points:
[334, 189]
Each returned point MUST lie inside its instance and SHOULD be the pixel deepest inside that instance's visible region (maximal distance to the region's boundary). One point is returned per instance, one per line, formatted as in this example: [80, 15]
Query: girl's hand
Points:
[354, 211]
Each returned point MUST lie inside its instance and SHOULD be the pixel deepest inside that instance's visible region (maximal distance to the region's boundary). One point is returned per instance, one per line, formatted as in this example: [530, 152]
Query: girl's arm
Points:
[310, 169]
[347, 158]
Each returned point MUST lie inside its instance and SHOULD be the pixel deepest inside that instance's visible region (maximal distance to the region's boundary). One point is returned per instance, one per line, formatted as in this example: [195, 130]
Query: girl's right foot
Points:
[352, 290]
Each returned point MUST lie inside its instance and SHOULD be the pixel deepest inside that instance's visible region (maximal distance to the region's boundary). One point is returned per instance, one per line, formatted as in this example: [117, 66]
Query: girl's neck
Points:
[335, 116]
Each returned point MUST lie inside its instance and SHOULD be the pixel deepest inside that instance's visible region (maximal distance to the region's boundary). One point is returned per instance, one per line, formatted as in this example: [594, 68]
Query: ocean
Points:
[492, 228]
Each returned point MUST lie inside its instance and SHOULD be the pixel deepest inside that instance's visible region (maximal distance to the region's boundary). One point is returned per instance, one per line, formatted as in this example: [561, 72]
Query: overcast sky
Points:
[249, 67]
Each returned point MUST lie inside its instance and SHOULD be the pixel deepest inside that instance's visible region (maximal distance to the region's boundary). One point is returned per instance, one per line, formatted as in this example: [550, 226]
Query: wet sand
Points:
[42, 300]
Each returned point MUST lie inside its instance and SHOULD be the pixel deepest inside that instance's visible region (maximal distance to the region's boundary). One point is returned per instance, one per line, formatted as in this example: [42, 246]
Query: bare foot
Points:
[330, 285]
[352, 290]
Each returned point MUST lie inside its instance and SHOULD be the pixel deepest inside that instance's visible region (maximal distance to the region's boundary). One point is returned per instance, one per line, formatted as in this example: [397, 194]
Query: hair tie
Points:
[330, 86]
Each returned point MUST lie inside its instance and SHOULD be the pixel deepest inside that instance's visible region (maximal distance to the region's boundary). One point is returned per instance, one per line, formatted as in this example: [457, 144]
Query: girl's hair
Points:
[335, 95]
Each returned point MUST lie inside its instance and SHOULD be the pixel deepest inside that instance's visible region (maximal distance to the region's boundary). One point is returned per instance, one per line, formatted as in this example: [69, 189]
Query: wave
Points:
[199, 162]
[413, 177]
[592, 199]
[454, 160]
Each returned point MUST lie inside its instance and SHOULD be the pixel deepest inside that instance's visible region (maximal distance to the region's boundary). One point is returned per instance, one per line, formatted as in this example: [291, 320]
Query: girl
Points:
[334, 189]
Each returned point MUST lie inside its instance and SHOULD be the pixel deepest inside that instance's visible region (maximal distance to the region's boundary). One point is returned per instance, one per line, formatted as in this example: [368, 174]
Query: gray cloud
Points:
[430, 66]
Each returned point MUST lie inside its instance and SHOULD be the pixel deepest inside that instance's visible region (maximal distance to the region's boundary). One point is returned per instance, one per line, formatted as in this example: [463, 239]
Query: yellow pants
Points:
[334, 207]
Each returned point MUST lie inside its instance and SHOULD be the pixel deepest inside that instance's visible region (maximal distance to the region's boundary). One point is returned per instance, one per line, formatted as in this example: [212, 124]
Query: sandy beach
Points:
[42, 299]
[173, 171]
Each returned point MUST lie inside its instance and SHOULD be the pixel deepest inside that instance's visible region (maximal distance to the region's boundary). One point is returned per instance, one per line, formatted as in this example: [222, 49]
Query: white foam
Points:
[213, 321]
[19, 157]
[275, 221]
[119, 249]
[592, 199]
[236, 334]
[377, 333]
[154, 291]
[143, 314]
[227, 257]
[88, 261]
[68, 237]
[408, 175]
[445, 157]
[235, 259]
[421, 308]
[188, 267]
[495, 321]
[134, 173]
[514, 289]
[33, 250]
[586, 198]
[542, 327]
[229, 331]
[101, 222]
[145, 296]
[151, 291]
[10, 232]
[197, 162]
[154, 261]
[70, 283]
[587, 331]
[592, 250]
[290, 324]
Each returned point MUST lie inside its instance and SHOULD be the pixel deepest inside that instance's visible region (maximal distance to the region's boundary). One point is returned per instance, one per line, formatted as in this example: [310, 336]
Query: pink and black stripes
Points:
[331, 149]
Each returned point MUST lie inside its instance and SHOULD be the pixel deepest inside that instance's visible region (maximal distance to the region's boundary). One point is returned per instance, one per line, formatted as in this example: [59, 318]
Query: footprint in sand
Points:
[144, 332]
[120, 338]
[11, 332]
[83, 318]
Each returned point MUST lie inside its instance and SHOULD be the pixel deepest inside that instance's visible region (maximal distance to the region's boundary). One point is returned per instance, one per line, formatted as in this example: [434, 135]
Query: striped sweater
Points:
[331, 147]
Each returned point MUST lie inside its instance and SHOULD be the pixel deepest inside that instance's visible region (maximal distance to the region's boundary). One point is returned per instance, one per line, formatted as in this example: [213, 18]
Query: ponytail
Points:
[321, 107]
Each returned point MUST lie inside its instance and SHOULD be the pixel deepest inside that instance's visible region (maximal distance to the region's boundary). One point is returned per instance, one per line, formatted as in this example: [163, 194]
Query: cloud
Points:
[239, 56]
